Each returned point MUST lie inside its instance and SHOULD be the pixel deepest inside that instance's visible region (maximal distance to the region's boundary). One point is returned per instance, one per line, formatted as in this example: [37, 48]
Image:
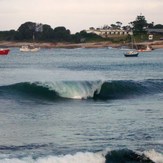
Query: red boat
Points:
[4, 51]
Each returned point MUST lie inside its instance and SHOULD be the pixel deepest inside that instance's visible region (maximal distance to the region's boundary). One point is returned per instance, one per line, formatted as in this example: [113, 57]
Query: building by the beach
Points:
[155, 31]
[110, 32]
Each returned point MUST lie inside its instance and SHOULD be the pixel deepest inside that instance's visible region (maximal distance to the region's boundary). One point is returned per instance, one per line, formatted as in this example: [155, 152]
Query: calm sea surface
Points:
[80, 105]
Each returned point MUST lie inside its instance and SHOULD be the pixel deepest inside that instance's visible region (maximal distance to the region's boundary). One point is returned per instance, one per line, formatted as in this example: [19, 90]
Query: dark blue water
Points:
[81, 105]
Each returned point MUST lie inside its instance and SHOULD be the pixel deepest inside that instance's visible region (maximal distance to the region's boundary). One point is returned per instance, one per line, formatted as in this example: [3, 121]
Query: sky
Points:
[77, 15]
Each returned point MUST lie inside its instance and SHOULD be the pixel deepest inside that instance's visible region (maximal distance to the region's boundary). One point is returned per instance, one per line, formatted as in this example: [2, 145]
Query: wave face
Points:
[114, 156]
[123, 156]
[84, 89]
[128, 88]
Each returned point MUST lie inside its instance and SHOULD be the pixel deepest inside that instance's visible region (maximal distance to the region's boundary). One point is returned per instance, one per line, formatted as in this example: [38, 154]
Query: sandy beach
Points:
[154, 44]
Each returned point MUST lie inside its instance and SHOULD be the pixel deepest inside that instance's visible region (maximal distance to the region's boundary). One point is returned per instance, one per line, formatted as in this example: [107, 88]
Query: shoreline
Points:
[154, 44]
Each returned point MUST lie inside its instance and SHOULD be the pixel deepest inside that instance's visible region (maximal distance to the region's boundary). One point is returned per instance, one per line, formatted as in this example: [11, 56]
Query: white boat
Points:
[147, 49]
[29, 48]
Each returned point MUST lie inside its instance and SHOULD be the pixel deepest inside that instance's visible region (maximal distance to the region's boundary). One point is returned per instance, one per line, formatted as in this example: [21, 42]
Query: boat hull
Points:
[147, 49]
[4, 51]
[29, 49]
[144, 50]
[131, 54]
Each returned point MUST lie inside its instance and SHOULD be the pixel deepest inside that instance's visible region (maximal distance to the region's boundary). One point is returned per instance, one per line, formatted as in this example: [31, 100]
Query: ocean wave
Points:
[102, 90]
[112, 156]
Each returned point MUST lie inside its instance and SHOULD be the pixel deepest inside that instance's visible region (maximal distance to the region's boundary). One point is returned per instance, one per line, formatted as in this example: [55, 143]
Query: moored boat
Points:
[131, 54]
[29, 48]
[147, 49]
[4, 51]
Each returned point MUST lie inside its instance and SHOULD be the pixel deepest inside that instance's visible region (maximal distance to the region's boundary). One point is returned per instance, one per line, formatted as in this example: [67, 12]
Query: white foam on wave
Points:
[74, 89]
[154, 156]
[79, 157]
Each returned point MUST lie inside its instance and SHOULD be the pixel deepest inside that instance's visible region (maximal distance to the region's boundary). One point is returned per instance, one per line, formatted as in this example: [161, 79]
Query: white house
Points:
[106, 33]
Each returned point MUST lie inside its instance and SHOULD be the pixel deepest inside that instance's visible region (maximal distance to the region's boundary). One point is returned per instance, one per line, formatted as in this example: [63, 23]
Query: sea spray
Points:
[79, 157]
[155, 156]
[74, 89]
[111, 156]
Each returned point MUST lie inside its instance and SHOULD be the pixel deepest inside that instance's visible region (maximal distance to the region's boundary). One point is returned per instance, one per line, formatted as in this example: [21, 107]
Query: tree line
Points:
[31, 31]
[138, 26]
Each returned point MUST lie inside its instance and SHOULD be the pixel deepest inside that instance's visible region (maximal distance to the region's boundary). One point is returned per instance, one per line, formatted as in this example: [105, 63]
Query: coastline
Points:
[154, 44]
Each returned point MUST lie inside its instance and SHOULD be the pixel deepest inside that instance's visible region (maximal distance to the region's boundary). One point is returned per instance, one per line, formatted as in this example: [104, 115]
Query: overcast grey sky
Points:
[77, 15]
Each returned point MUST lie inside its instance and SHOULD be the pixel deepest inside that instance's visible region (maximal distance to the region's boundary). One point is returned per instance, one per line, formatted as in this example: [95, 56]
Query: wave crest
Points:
[84, 89]
[114, 156]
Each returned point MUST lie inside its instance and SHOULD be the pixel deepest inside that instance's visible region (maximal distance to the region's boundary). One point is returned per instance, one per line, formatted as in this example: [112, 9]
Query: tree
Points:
[139, 25]
[62, 34]
[8, 35]
[26, 31]
[113, 26]
[83, 36]
[119, 24]
[151, 25]
[105, 27]
[46, 33]
[126, 28]
[158, 26]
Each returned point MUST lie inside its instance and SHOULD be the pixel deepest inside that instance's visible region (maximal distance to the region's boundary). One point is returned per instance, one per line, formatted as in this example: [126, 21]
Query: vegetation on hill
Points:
[30, 31]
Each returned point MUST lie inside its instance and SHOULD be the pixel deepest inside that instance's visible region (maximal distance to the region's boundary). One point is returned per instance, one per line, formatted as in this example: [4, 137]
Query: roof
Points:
[154, 30]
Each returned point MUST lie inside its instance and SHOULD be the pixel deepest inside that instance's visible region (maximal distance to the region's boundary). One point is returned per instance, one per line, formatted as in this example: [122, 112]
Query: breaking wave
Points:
[84, 89]
[112, 156]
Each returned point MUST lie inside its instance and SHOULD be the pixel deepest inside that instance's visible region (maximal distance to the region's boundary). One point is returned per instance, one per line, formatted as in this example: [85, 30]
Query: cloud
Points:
[77, 14]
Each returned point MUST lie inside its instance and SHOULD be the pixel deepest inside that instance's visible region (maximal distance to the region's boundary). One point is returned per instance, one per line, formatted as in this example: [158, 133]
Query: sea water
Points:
[82, 106]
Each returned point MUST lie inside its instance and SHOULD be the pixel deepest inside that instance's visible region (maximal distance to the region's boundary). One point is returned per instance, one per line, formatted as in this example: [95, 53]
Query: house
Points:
[154, 31]
[110, 32]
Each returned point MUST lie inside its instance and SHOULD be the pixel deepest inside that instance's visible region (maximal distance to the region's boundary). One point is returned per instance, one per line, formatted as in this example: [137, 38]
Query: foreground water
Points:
[81, 105]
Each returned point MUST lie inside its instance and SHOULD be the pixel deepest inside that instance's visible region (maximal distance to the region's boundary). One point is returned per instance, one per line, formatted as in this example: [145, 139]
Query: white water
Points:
[79, 157]
[154, 156]
[74, 90]
[76, 126]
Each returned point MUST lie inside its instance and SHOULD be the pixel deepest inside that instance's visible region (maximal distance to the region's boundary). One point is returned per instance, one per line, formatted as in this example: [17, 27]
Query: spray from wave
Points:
[112, 156]
[73, 89]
